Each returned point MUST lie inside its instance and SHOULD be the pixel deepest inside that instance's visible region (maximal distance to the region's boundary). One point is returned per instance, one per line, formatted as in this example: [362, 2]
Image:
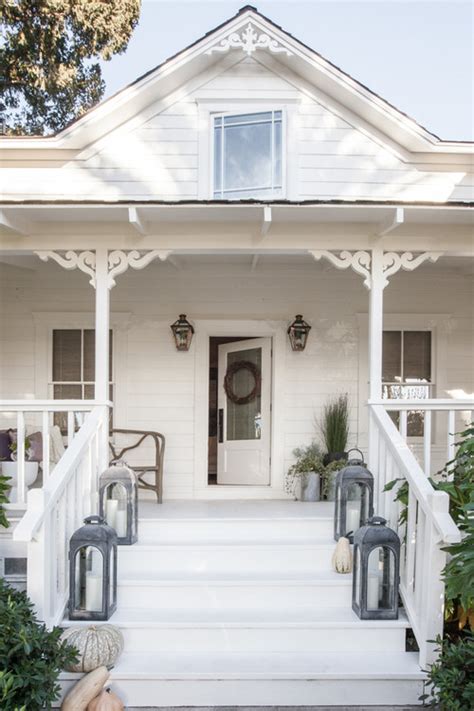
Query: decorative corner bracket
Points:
[359, 261]
[118, 262]
[85, 261]
[392, 262]
[249, 40]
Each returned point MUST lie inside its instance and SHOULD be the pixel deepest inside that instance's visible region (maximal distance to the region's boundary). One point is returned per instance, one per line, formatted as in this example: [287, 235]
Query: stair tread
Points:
[319, 617]
[234, 510]
[146, 544]
[326, 577]
[271, 665]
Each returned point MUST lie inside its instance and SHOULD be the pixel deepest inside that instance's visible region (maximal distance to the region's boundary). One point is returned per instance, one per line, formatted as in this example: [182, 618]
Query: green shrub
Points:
[31, 657]
[451, 677]
[4, 488]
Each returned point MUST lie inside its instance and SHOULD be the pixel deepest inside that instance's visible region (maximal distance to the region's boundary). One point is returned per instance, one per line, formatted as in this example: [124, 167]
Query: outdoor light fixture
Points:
[118, 502]
[354, 497]
[298, 333]
[183, 333]
[93, 571]
[376, 571]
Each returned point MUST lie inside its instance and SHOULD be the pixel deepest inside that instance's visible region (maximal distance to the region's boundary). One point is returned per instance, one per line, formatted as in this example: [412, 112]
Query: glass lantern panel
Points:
[354, 507]
[89, 579]
[380, 579]
[112, 589]
[357, 575]
[117, 502]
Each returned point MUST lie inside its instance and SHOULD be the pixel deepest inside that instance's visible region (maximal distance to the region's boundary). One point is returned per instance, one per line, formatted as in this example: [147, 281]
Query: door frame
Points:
[205, 329]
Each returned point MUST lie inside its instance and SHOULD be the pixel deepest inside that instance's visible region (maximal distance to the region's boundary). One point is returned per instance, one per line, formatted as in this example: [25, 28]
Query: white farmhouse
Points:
[241, 183]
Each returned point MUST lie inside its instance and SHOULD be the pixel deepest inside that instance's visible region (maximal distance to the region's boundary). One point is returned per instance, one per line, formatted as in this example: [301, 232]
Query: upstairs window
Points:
[248, 156]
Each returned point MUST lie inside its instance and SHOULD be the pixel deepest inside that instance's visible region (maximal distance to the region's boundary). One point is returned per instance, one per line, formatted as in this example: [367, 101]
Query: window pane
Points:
[67, 355]
[417, 356]
[265, 116]
[391, 356]
[247, 156]
[244, 421]
[89, 355]
[217, 160]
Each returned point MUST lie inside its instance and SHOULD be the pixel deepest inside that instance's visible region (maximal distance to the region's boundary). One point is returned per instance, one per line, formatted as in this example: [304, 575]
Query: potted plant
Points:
[303, 479]
[334, 427]
[328, 481]
[10, 469]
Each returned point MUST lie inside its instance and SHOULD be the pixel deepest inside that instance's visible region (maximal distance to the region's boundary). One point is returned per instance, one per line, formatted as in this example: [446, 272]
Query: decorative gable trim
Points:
[249, 40]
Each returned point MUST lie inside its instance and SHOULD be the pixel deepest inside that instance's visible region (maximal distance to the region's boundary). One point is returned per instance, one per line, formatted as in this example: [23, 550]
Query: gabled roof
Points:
[251, 33]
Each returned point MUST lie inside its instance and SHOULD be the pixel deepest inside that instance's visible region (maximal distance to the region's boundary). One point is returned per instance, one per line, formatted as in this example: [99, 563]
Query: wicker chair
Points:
[157, 467]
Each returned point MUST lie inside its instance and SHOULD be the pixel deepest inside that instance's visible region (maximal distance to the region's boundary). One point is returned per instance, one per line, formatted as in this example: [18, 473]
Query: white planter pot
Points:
[11, 469]
[308, 487]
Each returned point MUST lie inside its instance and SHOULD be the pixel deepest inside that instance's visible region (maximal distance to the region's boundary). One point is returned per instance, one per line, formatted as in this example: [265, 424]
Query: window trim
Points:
[207, 108]
[222, 114]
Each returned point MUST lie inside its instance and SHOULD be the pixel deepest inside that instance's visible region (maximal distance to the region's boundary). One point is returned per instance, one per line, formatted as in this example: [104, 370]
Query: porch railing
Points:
[56, 510]
[39, 415]
[428, 526]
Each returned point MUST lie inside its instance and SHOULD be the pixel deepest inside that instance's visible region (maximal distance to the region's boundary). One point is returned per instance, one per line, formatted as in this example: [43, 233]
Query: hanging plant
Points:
[232, 370]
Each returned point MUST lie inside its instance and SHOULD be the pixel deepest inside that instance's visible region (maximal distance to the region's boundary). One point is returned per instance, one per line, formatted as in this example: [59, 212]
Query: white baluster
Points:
[20, 457]
[403, 424]
[46, 445]
[427, 443]
[451, 434]
[70, 427]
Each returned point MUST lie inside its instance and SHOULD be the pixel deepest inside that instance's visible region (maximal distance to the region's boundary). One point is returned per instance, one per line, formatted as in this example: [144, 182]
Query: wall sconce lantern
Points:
[354, 497]
[118, 502]
[376, 571]
[298, 333]
[93, 571]
[183, 333]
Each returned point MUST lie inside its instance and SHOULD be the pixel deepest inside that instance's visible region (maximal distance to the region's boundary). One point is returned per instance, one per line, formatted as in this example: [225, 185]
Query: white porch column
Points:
[376, 324]
[102, 326]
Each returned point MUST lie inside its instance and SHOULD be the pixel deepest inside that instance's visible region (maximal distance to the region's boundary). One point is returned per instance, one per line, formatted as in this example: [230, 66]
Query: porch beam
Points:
[15, 224]
[136, 221]
[397, 219]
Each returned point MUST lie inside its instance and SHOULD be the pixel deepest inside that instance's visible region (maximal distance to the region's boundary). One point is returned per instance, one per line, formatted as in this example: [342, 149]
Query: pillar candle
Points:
[93, 592]
[373, 591]
[352, 515]
[121, 523]
[111, 511]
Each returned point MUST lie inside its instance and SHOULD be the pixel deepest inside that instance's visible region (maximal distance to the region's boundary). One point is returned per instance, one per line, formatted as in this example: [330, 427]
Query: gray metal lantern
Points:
[376, 571]
[354, 497]
[183, 333]
[298, 333]
[93, 571]
[118, 502]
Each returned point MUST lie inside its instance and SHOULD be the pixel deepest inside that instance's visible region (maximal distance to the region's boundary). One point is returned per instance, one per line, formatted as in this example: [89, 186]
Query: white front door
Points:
[243, 450]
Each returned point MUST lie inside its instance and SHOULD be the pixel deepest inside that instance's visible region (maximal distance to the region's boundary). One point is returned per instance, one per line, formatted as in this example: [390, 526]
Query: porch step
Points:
[261, 591]
[291, 630]
[255, 679]
[227, 557]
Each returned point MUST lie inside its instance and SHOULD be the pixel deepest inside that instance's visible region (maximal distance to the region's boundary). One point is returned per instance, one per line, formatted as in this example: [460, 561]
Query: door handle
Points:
[221, 425]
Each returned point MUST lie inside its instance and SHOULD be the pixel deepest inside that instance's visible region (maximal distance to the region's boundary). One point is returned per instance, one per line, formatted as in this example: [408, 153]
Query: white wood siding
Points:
[159, 158]
[155, 384]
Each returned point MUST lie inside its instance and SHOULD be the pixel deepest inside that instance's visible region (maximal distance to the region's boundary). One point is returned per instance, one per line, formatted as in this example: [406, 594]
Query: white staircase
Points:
[235, 603]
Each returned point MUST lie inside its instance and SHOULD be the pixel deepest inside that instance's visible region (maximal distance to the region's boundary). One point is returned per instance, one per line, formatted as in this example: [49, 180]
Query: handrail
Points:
[428, 404]
[56, 484]
[51, 405]
[447, 529]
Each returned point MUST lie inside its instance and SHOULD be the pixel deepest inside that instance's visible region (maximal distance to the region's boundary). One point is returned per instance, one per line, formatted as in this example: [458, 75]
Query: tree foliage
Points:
[48, 58]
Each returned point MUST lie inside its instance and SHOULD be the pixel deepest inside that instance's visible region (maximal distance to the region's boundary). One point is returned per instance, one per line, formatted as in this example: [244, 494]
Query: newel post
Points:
[102, 326]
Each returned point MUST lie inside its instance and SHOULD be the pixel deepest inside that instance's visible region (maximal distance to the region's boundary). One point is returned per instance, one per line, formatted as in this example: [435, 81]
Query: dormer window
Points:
[248, 156]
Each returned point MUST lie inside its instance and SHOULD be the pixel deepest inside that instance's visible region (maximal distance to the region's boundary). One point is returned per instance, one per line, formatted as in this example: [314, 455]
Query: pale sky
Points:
[417, 54]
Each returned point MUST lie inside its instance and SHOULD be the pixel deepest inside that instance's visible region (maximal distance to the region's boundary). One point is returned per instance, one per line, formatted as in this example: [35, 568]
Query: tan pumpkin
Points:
[342, 556]
[85, 690]
[106, 701]
[97, 646]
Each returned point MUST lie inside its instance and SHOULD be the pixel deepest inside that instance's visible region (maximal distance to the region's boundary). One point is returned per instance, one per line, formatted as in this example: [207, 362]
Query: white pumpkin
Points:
[342, 556]
[97, 646]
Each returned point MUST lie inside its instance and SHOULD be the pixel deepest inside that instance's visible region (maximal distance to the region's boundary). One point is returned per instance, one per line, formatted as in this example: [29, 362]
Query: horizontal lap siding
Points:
[159, 158]
[155, 385]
